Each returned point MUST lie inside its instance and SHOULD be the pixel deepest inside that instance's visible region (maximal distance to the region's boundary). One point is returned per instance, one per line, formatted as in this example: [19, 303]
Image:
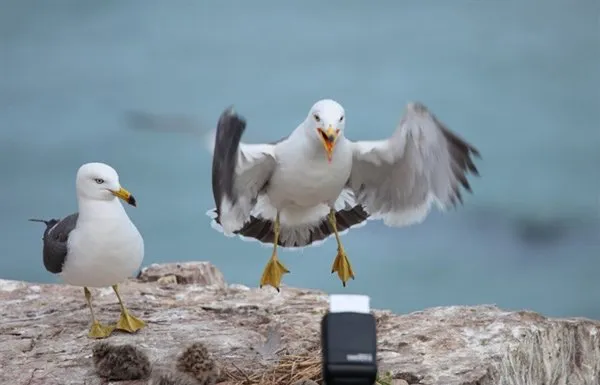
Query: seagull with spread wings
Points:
[316, 182]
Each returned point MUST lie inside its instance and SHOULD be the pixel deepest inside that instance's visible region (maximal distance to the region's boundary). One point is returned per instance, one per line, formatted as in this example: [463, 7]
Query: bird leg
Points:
[274, 269]
[341, 264]
[127, 322]
[97, 330]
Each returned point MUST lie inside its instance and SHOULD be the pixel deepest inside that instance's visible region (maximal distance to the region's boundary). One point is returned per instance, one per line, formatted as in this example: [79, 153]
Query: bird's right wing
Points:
[240, 171]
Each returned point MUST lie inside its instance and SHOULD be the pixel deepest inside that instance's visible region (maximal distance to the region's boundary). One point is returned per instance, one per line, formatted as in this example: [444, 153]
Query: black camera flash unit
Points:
[349, 341]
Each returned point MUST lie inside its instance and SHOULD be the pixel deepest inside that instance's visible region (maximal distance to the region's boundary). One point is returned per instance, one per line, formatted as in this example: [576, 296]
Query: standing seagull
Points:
[316, 182]
[97, 246]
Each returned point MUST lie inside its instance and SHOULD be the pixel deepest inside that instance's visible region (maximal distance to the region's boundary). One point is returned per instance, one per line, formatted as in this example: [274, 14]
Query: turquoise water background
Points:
[519, 80]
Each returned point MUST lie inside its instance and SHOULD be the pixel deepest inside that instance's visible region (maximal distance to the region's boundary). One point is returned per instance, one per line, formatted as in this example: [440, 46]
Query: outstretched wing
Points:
[399, 178]
[240, 172]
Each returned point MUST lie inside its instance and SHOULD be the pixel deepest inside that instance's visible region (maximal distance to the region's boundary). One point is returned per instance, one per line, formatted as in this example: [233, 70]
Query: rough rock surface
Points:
[43, 332]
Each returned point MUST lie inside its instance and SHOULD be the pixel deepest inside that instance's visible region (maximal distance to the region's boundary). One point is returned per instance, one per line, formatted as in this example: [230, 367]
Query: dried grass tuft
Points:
[289, 369]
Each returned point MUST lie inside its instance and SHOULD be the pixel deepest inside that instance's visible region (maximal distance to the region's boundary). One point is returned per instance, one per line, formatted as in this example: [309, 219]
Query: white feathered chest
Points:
[306, 178]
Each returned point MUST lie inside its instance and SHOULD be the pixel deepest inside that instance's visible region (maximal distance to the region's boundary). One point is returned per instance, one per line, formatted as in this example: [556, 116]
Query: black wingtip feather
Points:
[48, 222]
[38, 220]
[459, 197]
[462, 154]
[230, 128]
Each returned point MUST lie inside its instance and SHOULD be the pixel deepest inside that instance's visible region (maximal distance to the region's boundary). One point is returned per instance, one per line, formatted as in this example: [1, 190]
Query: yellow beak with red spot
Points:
[125, 195]
[328, 138]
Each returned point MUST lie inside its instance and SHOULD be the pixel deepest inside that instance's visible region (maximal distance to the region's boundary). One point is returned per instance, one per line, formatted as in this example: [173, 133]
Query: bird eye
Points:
[341, 118]
[317, 118]
[99, 180]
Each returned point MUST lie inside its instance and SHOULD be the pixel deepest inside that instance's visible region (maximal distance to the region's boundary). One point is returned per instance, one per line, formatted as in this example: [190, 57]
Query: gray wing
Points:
[55, 241]
[240, 172]
[423, 162]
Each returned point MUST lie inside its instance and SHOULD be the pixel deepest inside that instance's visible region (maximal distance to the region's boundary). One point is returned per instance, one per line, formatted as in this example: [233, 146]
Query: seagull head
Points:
[99, 181]
[325, 122]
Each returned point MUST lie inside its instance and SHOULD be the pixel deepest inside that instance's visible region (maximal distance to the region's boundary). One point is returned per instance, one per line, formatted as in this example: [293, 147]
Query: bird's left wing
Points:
[240, 171]
[398, 179]
[56, 240]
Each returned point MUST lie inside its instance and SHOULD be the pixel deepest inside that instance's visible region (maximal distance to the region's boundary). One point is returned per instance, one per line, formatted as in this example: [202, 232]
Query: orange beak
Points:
[328, 138]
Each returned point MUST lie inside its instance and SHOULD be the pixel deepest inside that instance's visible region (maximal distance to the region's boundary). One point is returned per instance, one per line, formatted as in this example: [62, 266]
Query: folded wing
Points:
[56, 239]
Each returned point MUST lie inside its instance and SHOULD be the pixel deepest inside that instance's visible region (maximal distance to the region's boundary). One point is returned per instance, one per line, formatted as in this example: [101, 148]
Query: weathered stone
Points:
[167, 280]
[43, 333]
[200, 273]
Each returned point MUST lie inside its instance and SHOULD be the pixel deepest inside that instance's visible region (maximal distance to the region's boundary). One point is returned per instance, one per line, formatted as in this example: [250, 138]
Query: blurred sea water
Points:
[520, 81]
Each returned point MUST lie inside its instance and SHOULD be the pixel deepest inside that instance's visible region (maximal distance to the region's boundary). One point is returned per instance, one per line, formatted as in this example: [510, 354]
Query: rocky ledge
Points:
[43, 334]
